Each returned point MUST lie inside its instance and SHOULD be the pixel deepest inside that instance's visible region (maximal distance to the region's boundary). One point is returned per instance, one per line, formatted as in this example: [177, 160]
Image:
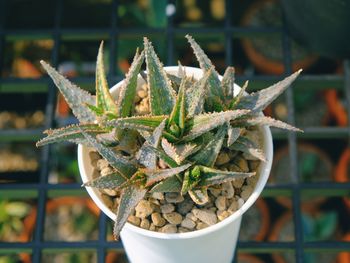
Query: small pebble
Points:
[253, 165]
[143, 209]
[169, 229]
[233, 206]
[206, 216]
[95, 174]
[238, 182]
[240, 202]
[220, 202]
[101, 163]
[191, 216]
[201, 225]
[246, 192]
[227, 190]
[107, 170]
[242, 164]
[142, 93]
[182, 230]
[174, 198]
[158, 195]
[215, 191]
[157, 219]
[94, 155]
[188, 223]
[185, 206]
[152, 227]
[173, 218]
[134, 220]
[222, 214]
[222, 159]
[167, 208]
[145, 224]
[109, 192]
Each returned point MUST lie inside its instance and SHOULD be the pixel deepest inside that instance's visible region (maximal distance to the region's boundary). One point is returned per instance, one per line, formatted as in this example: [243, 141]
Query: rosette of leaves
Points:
[190, 122]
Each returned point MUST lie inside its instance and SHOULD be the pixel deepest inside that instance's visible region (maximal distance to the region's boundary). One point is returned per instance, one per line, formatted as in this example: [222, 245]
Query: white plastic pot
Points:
[213, 244]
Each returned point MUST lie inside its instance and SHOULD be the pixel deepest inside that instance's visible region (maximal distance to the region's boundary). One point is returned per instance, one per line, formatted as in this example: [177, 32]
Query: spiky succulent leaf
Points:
[235, 101]
[72, 132]
[162, 155]
[191, 179]
[94, 109]
[143, 123]
[228, 82]
[124, 166]
[114, 180]
[257, 120]
[75, 97]
[210, 152]
[146, 156]
[196, 95]
[260, 100]
[199, 196]
[104, 99]
[179, 152]
[171, 184]
[203, 123]
[128, 89]
[170, 150]
[205, 64]
[245, 145]
[232, 134]
[178, 114]
[154, 176]
[129, 198]
[212, 176]
[161, 94]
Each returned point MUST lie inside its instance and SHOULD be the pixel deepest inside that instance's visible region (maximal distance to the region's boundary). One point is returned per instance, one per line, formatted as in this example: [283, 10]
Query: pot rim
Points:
[264, 171]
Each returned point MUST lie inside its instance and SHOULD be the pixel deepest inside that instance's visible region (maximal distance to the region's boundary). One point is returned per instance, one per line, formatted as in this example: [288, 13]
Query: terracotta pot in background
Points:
[267, 13]
[280, 170]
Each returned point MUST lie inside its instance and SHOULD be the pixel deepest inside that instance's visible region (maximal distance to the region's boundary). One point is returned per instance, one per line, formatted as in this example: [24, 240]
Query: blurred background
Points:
[303, 214]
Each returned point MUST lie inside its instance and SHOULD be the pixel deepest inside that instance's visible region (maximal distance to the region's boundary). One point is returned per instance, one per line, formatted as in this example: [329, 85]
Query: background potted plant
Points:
[185, 132]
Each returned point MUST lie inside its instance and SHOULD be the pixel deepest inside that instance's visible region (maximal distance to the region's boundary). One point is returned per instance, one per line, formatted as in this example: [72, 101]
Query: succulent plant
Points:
[190, 122]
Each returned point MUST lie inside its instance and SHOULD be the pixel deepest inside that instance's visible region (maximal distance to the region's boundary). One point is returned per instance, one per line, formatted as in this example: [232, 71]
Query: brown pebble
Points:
[220, 202]
[182, 230]
[185, 206]
[238, 182]
[142, 93]
[101, 164]
[153, 227]
[158, 195]
[173, 218]
[188, 223]
[242, 163]
[145, 224]
[134, 220]
[222, 159]
[191, 216]
[143, 209]
[169, 229]
[201, 225]
[215, 191]
[227, 190]
[233, 206]
[222, 214]
[157, 219]
[206, 216]
[107, 170]
[94, 155]
[167, 208]
[174, 198]
[246, 192]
